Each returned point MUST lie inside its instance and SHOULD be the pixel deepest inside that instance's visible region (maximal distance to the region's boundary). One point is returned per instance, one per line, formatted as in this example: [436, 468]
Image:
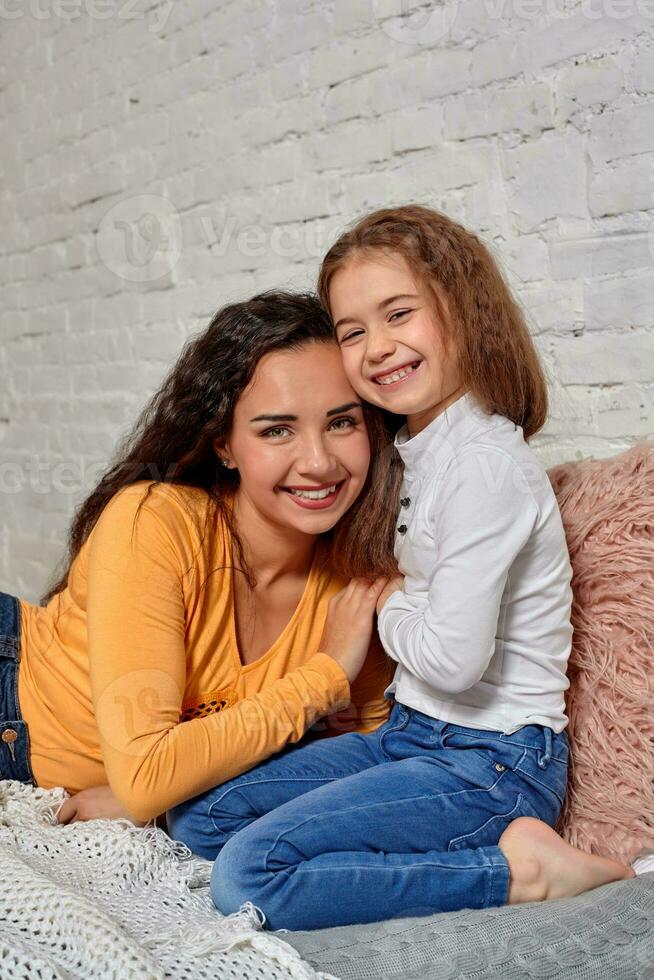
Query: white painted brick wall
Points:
[267, 125]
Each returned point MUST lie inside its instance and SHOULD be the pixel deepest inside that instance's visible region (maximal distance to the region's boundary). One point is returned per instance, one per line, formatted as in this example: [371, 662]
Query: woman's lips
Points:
[307, 504]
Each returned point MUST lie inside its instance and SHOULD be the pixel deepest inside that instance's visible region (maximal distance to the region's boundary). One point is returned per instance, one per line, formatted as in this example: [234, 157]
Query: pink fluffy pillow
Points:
[607, 507]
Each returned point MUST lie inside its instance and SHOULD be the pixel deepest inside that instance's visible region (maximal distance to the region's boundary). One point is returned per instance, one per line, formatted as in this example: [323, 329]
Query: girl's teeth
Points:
[396, 377]
[315, 494]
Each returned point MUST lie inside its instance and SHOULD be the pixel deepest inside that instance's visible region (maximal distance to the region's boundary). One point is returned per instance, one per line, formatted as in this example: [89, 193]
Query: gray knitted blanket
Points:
[604, 934]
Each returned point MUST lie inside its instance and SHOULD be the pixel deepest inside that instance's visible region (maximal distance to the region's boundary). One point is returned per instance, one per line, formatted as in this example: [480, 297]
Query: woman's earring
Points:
[225, 463]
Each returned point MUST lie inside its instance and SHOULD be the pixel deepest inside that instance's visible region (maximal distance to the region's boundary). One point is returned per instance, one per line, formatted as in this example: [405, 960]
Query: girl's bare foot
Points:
[543, 865]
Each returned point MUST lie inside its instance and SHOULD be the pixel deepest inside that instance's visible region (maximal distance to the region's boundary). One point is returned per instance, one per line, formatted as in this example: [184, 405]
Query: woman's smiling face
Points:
[391, 337]
[298, 439]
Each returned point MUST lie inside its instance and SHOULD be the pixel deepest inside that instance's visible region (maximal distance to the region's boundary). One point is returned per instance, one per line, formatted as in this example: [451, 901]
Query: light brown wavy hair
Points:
[497, 359]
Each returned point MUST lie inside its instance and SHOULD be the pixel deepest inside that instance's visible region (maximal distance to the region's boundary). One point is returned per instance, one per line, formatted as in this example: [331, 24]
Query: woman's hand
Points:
[348, 627]
[395, 583]
[92, 804]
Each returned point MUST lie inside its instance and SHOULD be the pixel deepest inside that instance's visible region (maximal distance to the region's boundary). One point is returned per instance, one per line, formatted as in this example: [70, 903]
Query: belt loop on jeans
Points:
[9, 647]
[543, 760]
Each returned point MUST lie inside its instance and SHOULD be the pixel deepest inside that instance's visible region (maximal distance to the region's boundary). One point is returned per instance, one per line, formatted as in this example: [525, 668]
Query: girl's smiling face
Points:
[391, 337]
[299, 440]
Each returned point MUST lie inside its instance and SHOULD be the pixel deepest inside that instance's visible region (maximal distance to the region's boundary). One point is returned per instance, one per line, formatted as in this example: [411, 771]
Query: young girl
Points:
[452, 801]
[187, 639]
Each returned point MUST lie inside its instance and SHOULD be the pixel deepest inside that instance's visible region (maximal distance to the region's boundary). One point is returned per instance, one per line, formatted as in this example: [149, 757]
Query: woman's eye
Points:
[276, 432]
[349, 423]
[398, 313]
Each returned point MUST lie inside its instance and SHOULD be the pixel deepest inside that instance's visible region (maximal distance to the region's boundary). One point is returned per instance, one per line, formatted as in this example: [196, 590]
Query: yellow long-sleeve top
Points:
[132, 674]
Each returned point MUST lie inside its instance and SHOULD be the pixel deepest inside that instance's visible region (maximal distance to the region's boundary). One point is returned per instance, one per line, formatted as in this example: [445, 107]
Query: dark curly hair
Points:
[173, 439]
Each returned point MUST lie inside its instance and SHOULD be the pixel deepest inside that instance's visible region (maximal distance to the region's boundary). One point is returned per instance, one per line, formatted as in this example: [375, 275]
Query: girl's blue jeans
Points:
[403, 821]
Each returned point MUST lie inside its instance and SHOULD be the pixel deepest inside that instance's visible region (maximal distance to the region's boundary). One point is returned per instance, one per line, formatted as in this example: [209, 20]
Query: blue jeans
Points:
[14, 736]
[403, 821]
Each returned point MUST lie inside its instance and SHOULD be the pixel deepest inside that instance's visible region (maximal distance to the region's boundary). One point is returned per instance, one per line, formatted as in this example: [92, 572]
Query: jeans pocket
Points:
[493, 757]
[490, 832]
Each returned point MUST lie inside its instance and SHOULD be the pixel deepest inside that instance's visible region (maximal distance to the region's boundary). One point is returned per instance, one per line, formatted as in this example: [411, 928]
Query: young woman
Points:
[452, 801]
[207, 571]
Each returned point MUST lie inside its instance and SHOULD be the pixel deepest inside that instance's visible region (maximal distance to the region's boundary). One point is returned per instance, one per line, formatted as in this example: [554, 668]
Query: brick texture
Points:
[160, 159]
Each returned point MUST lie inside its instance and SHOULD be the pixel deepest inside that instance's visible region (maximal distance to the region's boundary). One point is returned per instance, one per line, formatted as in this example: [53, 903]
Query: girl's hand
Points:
[395, 583]
[348, 627]
[92, 804]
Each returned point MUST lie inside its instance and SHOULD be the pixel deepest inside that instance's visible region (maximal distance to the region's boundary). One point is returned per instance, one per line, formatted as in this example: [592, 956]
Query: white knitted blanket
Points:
[105, 899]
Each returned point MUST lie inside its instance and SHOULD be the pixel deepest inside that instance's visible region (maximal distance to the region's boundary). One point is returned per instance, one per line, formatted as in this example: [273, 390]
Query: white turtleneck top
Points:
[481, 631]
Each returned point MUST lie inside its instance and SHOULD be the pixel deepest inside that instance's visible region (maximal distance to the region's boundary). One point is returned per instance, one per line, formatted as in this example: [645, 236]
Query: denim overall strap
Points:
[9, 626]
[14, 736]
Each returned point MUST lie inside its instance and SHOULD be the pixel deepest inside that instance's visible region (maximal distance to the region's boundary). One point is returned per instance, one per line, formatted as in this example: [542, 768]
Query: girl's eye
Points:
[351, 336]
[350, 423]
[398, 313]
[276, 432]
